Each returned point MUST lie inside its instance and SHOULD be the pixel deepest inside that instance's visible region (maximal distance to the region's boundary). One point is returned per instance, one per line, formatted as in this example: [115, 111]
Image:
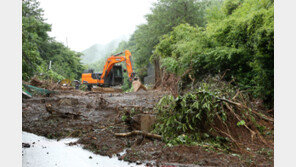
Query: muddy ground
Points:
[95, 117]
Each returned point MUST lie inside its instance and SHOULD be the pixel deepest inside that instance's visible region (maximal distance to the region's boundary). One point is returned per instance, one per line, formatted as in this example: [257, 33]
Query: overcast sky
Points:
[87, 22]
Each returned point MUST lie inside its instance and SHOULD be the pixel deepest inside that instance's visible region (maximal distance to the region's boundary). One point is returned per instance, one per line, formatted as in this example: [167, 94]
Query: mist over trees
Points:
[99, 51]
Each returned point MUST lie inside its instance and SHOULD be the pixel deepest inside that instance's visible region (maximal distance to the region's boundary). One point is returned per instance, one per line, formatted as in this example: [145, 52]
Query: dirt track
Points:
[99, 117]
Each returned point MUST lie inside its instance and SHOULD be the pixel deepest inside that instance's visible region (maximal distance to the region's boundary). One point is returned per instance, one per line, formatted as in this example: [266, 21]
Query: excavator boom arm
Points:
[129, 66]
[117, 59]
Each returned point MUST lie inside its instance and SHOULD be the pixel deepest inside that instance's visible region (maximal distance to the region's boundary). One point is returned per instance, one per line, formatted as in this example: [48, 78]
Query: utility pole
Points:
[49, 66]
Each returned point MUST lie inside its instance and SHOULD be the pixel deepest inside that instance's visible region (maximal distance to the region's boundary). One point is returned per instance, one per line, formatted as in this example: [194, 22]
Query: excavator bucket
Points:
[137, 85]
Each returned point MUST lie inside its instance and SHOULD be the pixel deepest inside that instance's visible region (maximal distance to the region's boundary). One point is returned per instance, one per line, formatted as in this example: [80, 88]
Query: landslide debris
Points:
[218, 116]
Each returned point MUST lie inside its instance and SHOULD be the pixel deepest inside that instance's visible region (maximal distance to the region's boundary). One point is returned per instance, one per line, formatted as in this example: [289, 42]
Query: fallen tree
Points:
[55, 112]
[216, 112]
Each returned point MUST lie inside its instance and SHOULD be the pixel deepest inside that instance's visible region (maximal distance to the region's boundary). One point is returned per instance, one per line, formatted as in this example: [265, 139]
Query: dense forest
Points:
[234, 38]
[200, 38]
[38, 49]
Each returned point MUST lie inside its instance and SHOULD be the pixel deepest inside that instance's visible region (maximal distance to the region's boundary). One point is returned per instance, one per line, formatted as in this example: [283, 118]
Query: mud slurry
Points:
[99, 116]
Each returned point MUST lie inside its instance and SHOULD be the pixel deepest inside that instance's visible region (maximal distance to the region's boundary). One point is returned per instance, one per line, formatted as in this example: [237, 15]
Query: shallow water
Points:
[49, 153]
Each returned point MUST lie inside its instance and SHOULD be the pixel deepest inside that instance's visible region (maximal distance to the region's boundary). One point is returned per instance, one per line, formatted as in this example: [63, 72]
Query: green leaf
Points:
[241, 123]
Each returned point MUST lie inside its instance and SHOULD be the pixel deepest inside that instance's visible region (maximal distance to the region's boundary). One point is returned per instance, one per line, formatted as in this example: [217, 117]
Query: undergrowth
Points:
[207, 117]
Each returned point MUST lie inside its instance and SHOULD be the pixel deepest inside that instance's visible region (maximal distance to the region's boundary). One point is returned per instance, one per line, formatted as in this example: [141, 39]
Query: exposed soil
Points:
[97, 116]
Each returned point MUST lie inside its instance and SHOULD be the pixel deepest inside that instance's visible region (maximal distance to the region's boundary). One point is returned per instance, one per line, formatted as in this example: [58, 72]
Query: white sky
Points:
[87, 22]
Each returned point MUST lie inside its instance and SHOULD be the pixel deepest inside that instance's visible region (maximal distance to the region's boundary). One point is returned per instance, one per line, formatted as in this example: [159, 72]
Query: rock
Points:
[55, 111]
[137, 85]
[147, 120]
[141, 122]
[148, 164]
[26, 145]
[90, 157]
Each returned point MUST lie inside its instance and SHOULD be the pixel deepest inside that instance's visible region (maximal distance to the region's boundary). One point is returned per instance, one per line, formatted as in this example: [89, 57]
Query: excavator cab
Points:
[115, 76]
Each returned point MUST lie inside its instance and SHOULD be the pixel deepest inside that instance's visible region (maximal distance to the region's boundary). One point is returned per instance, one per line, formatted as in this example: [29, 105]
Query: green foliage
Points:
[204, 116]
[126, 83]
[38, 48]
[188, 119]
[230, 6]
[241, 123]
[33, 32]
[123, 117]
[238, 42]
[214, 13]
[165, 15]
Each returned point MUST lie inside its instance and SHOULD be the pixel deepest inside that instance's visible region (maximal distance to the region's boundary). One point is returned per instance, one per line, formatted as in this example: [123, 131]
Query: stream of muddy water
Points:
[43, 152]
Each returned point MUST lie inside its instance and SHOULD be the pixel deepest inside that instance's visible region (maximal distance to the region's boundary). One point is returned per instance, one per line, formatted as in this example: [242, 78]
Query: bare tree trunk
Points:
[158, 73]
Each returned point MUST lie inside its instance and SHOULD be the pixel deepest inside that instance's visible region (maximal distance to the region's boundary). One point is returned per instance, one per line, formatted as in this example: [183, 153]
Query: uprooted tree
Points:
[215, 115]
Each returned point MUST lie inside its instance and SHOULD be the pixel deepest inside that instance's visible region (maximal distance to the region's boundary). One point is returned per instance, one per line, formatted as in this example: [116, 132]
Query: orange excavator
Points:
[112, 73]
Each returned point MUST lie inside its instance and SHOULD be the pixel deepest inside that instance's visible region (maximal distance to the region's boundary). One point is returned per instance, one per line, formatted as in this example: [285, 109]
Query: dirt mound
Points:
[168, 82]
[47, 84]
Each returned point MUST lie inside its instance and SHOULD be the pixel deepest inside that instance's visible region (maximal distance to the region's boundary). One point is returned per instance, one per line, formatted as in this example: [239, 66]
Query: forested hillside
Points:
[92, 53]
[97, 52]
[192, 38]
[38, 49]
